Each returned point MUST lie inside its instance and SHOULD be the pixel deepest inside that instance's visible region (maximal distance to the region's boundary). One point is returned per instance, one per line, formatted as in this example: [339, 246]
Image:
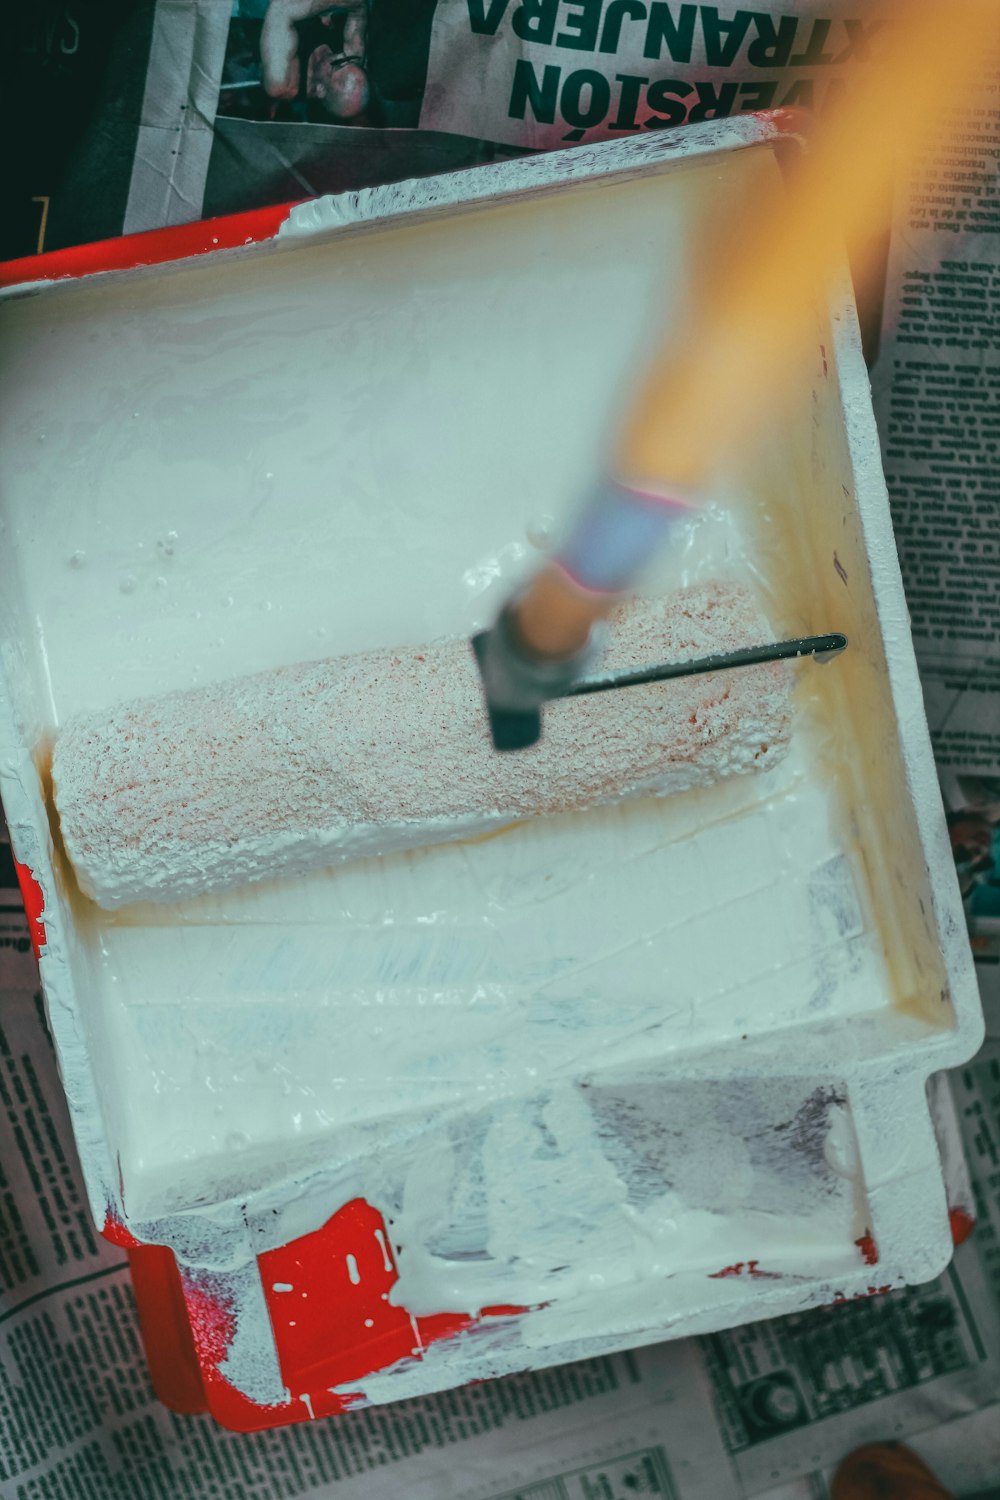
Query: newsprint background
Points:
[134, 114]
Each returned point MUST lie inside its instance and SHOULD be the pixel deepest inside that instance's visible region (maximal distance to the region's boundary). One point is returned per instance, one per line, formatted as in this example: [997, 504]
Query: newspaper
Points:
[936, 387]
[192, 117]
[141, 113]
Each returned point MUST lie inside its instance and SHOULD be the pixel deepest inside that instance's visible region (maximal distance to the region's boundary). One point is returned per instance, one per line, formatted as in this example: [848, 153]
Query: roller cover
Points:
[304, 766]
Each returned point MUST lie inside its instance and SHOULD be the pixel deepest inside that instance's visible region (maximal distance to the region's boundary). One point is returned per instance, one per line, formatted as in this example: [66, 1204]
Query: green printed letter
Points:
[485, 22]
[772, 46]
[664, 31]
[713, 103]
[723, 39]
[535, 20]
[613, 18]
[628, 103]
[813, 54]
[599, 99]
[527, 91]
[584, 20]
[668, 109]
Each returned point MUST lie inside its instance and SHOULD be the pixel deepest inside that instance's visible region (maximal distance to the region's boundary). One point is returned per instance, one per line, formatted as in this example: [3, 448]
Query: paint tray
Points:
[602, 1080]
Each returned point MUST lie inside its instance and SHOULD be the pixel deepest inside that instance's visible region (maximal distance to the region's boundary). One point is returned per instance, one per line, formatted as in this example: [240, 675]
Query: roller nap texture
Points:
[300, 767]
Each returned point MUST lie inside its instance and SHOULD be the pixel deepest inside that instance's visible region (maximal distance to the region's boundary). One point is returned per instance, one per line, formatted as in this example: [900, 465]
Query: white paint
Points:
[251, 1361]
[318, 216]
[282, 1286]
[352, 1270]
[563, 1061]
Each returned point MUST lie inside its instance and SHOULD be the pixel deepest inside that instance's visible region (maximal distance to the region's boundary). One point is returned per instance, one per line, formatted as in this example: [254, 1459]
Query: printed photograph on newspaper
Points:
[973, 806]
[315, 63]
[317, 97]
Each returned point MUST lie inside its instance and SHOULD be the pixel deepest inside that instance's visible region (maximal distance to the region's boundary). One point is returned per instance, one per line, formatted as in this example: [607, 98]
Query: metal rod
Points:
[821, 646]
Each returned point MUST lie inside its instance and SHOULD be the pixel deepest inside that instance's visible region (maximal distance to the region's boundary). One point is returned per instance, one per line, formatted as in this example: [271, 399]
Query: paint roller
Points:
[301, 767]
[294, 769]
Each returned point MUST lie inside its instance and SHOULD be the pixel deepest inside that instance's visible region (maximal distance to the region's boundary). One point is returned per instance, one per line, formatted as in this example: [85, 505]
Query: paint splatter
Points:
[869, 1250]
[386, 1257]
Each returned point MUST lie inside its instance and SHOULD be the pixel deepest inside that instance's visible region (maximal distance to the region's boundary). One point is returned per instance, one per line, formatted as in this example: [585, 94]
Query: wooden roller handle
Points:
[734, 364]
